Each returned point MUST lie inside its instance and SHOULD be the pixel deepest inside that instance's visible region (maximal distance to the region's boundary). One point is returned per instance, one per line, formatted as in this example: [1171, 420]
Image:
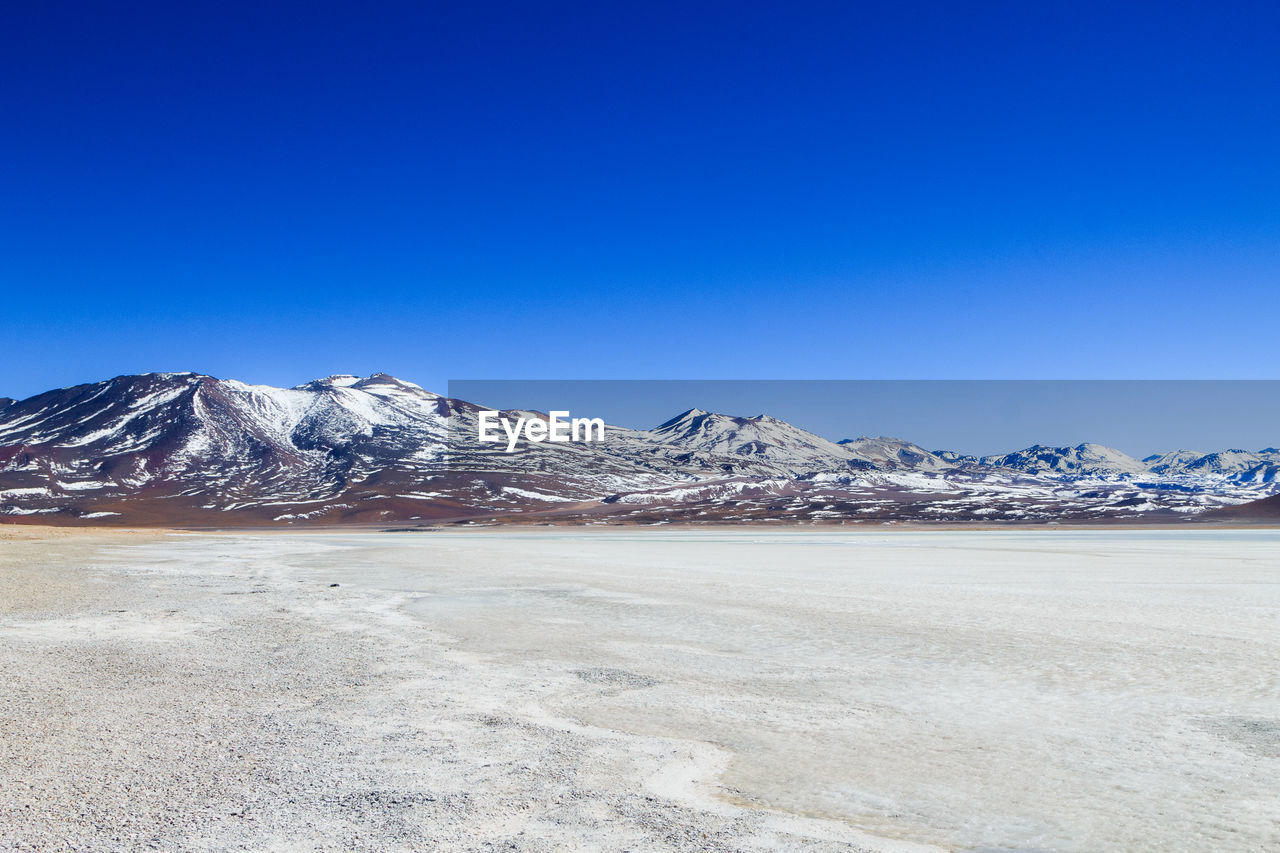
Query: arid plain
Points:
[1035, 689]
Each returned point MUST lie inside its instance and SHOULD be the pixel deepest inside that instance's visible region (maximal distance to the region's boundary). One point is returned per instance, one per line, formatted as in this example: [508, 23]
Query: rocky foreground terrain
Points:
[189, 449]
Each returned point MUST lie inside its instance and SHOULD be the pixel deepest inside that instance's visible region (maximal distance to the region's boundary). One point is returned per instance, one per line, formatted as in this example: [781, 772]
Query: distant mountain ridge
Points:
[762, 442]
[1086, 459]
[191, 449]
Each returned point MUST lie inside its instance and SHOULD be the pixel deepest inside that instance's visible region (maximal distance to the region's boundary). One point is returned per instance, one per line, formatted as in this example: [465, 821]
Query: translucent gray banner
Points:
[699, 451]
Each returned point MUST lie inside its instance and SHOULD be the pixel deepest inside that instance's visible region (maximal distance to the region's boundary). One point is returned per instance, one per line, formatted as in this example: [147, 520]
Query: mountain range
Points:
[191, 450]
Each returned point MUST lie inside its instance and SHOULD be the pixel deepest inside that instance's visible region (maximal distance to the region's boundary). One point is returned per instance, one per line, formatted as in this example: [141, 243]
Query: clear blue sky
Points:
[605, 190]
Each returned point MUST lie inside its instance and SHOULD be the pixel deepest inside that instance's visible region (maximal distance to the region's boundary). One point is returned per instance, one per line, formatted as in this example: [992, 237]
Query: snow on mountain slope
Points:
[955, 458]
[761, 443]
[1237, 467]
[1241, 468]
[1232, 461]
[892, 453]
[192, 449]
[624, 460]
[1085, 460]
[1161, 463]
[220, 441]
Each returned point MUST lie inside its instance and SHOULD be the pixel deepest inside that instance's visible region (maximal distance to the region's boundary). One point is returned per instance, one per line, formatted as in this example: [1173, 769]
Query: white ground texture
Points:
[642, 690]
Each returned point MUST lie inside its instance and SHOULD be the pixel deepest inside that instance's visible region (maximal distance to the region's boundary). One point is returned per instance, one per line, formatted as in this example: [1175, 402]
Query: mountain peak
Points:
[685, 417]
[385, 379]
[336, 380]
[364, 448]
[728, 441]
[1086, 459]
[1094, 447]
[887, 451]
[374, 382]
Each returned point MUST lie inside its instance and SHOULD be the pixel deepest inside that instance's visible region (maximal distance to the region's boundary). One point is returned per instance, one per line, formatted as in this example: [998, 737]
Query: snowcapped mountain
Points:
[200, 443]
[190, 449]
[1236, 467]
[761, 444]
[1240, 467]
[1087, 460]
[955, 458]
[1172, 461]
[892, 453]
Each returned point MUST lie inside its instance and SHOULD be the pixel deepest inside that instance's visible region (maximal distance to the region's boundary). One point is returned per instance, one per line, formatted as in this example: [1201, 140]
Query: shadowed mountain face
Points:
[189, 449]
[1261, 510]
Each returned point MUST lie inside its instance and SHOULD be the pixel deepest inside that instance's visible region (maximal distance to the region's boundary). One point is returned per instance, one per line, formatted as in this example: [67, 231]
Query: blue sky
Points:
[736, 190]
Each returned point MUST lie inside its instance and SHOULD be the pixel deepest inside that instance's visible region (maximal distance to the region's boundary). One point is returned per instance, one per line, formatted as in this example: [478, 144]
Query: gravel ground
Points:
[146, 705]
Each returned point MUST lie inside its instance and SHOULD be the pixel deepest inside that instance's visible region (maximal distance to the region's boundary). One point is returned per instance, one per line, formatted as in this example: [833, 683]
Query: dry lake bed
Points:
[654, 689]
